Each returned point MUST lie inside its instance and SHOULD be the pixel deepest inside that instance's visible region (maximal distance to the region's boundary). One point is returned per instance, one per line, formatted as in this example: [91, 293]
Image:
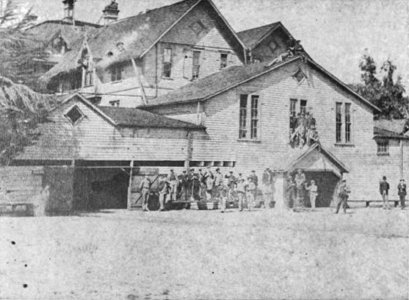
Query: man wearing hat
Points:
[173, 183]
[231, 183]
[343, 194]
[145, 190]
[384, 191]
[218, 183]
[402, 193]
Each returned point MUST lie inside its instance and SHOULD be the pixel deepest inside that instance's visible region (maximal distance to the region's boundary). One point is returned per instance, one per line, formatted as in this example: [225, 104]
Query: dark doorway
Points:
[100, 188]
[327, 182]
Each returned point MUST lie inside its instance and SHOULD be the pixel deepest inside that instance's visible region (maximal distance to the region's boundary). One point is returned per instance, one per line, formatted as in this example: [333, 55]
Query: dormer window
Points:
[197, 27]
[120, 46]
[273, 46]
[74, 115]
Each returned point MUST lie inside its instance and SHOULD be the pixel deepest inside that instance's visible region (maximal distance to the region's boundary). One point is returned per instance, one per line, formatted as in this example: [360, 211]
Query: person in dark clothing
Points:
[343, 194]
[384, 190]
[402, 193]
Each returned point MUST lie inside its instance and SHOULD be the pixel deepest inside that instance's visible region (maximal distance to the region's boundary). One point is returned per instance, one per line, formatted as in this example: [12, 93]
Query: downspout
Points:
[401, 158]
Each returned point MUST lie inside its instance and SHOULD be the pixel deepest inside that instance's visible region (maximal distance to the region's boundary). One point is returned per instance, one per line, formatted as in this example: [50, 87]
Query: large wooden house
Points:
[207, 97]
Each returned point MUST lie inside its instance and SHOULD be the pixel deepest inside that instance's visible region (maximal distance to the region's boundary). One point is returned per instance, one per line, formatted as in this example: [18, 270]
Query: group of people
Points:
[209, 185]
[303, 130]
[297, 189]
[384, 191]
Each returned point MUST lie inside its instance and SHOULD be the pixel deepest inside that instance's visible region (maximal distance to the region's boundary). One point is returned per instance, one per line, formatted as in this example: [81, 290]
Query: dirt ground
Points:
[188, 254]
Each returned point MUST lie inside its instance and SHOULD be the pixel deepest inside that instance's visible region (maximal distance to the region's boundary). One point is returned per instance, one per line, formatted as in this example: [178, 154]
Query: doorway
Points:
[327, 183]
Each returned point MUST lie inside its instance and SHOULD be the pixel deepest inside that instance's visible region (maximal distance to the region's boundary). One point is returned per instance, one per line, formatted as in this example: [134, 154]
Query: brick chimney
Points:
[69, 9]
[110, 13]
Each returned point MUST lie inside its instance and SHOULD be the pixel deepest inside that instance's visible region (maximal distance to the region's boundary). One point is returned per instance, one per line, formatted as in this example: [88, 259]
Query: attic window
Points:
[74, 115]
[120, 46]
[299, 75]
[272, 45]
[197, 27]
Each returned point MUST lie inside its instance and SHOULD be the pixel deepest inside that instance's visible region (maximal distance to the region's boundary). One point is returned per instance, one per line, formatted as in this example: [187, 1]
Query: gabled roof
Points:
[254, 36]
[133, 117]
[292, 160]
[138, 34]
[394, 129]
[215, 84]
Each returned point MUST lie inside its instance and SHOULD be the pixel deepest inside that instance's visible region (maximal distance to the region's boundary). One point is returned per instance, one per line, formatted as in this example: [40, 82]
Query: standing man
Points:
[266, 187]
[218, 184]
[402, 193]
[384, 190]
[231, 183]
[343, 194]
[173, 182]
[145, 190]
[163, 189]
[300, 185]
[241, 191]
[313, 189]
[254, 179]
[251, 193]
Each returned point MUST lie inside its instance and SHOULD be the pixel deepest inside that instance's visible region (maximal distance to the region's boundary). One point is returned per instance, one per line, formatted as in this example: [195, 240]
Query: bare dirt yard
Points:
[191, 254]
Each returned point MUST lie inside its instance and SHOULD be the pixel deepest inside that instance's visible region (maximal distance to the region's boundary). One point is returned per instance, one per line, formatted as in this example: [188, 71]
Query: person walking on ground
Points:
[266, 187]
[251, 193]
[241, 191]
[343, 194]
[402, 193]
[313, 190]
[145, 190]
[384, 190]
[163, 189]
[173, 183]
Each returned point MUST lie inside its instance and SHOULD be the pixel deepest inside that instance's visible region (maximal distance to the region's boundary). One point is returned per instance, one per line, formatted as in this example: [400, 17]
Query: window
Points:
[338, 122]
[249, 109]
[299, 75]
[254, 116]
[348, 122]
[116, 73]
[196, 65]
[167, 62]
[272, 45]
[74, 115]
[223, 60]
[197, 27]
[303, 106]
[243, 117]
[115, 103]
[383, 147]
[293, 115]
[89, 78]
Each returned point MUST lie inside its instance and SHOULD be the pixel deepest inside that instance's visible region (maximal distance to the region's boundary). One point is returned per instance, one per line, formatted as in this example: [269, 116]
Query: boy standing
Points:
[384, 190]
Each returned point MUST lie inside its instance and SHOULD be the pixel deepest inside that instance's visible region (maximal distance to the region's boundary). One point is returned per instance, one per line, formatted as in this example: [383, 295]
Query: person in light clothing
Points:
[145, 189]
[251, 190]
[241, 191]
[313, 192]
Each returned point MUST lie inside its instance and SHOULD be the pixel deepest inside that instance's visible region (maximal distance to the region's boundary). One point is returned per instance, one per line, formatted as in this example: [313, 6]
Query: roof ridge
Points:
[258, 27]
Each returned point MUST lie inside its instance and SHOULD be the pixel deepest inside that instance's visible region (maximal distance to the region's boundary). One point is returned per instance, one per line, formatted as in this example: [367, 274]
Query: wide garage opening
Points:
[99, 187]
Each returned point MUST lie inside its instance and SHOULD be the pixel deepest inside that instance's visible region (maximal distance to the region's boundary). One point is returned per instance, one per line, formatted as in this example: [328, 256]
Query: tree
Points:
[21, 109]
[387, 93]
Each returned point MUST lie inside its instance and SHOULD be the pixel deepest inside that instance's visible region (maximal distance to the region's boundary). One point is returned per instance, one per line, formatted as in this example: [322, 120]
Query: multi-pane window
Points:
[383, 147]
[196, 65]
[303, 106]
[293, 115]
[116, 73]
[243, 117]
[348, 122]
[167, 62]
[249, 110]
[89, 78]
[338, 122]
[223, 60]
[254, 116]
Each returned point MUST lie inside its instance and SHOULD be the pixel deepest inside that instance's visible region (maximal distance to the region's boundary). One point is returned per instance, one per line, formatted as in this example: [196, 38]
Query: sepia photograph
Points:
[204, 149]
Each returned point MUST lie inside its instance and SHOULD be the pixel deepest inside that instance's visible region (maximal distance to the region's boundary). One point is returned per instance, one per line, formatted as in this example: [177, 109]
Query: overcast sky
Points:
[334, 32]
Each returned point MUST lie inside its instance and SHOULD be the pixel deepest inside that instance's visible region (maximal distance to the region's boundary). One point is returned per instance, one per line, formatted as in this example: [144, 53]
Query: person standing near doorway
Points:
[384, 190]
[145, 190]
[163, 189]
[402, 193]
[266, 181]
[313, 190]
[343, 194]
[300, 187]
[173, 182]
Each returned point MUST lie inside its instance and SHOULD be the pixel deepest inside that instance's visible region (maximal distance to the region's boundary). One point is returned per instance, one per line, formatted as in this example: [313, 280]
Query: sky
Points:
[336, 33]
